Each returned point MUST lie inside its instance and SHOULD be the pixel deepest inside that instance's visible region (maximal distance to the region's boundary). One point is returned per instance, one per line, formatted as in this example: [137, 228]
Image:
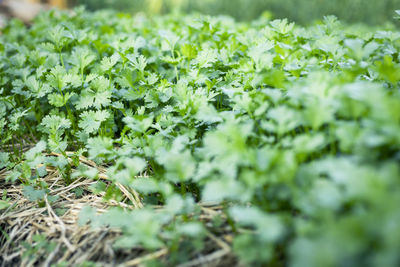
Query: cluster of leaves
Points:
[294, 131]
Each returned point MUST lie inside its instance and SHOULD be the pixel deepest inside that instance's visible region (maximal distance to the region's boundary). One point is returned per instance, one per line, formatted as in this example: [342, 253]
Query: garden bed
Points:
[196, 141]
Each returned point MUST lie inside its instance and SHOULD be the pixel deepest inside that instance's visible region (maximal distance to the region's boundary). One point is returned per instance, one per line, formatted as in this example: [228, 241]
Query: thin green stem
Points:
[183, 188]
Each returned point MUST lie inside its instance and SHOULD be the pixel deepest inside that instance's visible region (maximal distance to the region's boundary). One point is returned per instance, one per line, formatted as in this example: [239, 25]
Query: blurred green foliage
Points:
[302, 11]
[293, 131]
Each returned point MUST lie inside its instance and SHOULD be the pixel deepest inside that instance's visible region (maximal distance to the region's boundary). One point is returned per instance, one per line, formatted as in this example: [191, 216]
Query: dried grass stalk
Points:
[73, 244]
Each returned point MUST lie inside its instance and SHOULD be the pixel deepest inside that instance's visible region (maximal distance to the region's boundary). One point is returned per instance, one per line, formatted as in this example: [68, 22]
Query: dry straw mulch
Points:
[73, 245]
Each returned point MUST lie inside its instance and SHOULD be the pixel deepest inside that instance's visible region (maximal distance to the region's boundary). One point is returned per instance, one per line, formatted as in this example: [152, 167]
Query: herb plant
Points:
[294, 131]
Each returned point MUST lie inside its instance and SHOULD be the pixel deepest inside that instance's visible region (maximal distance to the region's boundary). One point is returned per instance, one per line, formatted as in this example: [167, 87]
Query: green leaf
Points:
[145, 185]
[138, 62]
[82, 57]
[139, 123]
[206, 57]
[108, 62]
[4, 159]
[189, 51]
[86, 214]
[4, 204]
[55, 123]
[33, 194]
[135, 165]
[91, 121]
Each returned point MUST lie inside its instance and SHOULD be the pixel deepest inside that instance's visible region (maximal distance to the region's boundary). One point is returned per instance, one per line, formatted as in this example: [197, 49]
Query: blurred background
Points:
[373, 12]
[302, 11]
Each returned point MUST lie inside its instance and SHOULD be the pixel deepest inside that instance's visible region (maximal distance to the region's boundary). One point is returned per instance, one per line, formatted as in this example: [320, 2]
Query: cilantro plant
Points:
[294, 132]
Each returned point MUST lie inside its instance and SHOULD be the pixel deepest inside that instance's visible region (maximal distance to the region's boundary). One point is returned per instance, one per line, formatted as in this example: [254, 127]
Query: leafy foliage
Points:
[294, 131]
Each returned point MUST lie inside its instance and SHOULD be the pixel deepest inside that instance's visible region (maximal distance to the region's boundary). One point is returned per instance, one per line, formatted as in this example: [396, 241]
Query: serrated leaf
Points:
[33, 194]
[108, 62]
[91, 120]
